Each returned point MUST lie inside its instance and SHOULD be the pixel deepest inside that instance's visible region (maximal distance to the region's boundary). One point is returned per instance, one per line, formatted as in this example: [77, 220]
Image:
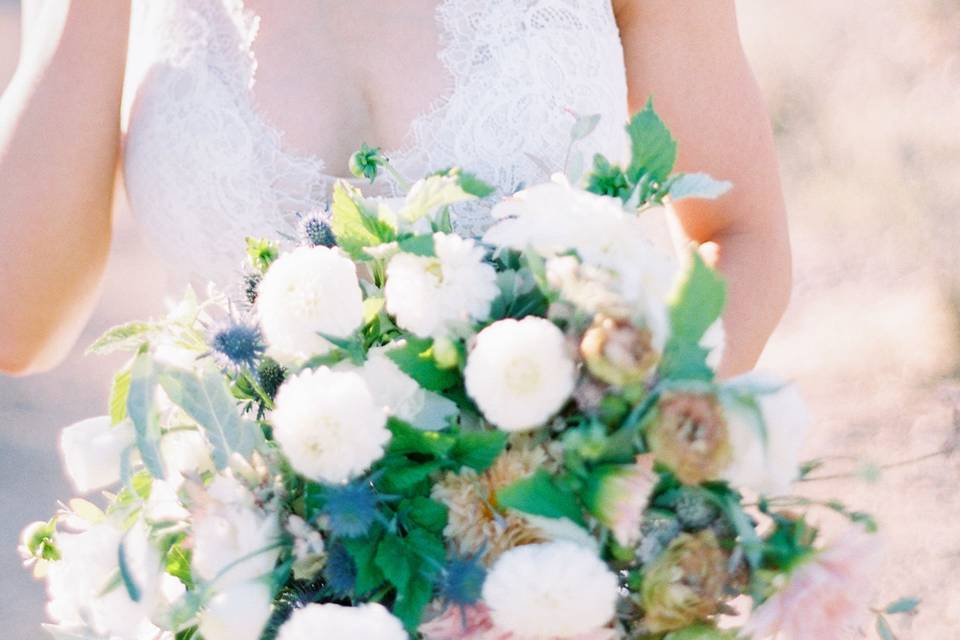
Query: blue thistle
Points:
[339, 573]
[351, 509]
[463, 580]
[251, 282]
[241, 344]
[315, 230]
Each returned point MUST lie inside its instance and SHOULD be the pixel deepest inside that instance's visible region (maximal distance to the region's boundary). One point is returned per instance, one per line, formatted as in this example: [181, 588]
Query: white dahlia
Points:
[237, 613]
[334, 621]
[329, 425]
[92, 451]
[551, 590]
[766, 434]
[432, 295]
[307, 292]
[519, 373]
[398, 393]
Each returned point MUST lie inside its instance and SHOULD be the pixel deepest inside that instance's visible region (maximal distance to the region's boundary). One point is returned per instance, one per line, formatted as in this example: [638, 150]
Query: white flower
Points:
[234, 540]
[238, 613]
[766, 438]
[552, 590]
[92, 450]
[520, 373]
[185, 453]
[89, 560]
[306, 292]
[329, 425]
[430, 296]
[555, 217]
[398, 393]
[336, 622]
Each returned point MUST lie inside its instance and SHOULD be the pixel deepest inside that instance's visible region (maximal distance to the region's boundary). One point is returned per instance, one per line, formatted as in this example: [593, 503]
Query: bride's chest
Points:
[246, 110]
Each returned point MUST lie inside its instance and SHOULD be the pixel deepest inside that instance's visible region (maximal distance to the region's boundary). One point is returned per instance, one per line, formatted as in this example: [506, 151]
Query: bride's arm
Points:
[59, 137]
[687, 55]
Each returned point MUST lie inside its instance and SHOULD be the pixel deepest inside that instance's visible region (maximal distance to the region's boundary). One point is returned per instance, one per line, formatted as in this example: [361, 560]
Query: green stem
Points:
[890, 465]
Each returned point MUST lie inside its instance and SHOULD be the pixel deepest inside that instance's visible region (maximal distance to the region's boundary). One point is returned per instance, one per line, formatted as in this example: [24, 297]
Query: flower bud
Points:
[619, 496]
[617, 352]
[689, 434]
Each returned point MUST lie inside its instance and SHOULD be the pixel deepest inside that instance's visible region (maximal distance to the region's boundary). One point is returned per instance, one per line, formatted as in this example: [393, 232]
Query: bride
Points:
[224, 119]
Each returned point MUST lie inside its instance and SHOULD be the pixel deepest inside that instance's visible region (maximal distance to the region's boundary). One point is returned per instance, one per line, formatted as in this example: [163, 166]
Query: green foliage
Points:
[418, 245]
[520, 296]
[478, 449]
[119, 392]
[540, 495]
[261, 253]
[355, 228]
[653, 149]
[902, 605]
[207, 399]
[415, 358]
[133, 590]
[140, 396]
[124, 337]
[584, 126]
[696, 185]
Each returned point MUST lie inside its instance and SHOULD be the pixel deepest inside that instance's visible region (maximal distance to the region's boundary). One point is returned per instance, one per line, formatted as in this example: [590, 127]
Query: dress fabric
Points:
[204, 169]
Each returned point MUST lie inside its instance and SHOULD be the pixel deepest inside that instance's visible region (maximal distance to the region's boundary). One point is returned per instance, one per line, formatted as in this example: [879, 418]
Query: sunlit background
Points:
[865, 99]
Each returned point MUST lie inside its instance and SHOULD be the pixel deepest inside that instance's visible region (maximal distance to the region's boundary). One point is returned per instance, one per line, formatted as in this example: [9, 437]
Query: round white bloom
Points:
[398, 393]
[520, 373]
[92, 451]
[238, 613]
[309, 291]
[430, 296]
[233, 539]
[329, 425]
[766, 443]
[337, 622]
[552, 590]
[185, 453]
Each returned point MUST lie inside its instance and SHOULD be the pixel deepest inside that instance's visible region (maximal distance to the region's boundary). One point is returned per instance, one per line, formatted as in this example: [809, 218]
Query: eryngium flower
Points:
[552, 590]
[336, 621]
[685, 584]
[315, 230]
[689, 434]
[619, 496]
[619, 353]
[328, 425]
[306, 293]
[241, 344]
[520, 373]
[475, 524]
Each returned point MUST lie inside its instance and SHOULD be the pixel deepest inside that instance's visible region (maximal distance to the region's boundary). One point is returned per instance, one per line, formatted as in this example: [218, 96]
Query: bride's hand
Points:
[59, 141]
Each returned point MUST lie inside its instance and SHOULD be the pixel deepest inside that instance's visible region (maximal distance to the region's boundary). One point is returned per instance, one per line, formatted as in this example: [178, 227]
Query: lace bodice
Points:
[204, 169]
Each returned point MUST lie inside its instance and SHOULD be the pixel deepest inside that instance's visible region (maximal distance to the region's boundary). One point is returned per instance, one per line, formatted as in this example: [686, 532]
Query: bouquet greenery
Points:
[400, 432]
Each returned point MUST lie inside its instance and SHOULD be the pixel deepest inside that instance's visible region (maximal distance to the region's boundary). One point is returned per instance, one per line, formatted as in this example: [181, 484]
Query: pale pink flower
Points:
[826, 598]
[621, 495]
[475, 623]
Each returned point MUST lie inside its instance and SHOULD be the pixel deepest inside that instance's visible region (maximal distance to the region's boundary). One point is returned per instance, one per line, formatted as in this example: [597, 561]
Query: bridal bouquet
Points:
[399, 432]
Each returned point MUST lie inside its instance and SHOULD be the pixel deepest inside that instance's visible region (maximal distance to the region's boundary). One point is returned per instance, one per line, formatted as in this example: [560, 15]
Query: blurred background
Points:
[865, 100]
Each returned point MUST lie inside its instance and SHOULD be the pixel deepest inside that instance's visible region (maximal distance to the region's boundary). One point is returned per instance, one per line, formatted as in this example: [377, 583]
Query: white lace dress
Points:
[204, 169]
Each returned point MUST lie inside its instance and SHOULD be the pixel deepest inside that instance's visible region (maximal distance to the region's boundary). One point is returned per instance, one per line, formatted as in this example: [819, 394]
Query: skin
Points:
[60, 141]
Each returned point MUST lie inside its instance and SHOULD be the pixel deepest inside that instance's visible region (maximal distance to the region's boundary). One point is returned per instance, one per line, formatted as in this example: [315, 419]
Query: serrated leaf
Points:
[363, 551]
[403, 477]
[584, 126]
[429, 548]
[478, 449]
[140, 398]
[697, 185]
[125, 337]
[696, 304]
[407, 439]
[415, 358]
[207, 399]
[410, 604]
[903, 605]
[653, 149]
[119, 391]
[392, 560]
[354, 228]
[539, 495]
[426, 512]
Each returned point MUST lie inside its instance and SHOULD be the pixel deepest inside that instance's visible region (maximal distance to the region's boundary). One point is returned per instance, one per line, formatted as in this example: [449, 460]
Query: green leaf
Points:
[432, 193]
[430, 549]
[128, 582]
[653, 149]
[392, 560]
[119, 392]
[372, 308]
[408, 439]
[426, 512]
[140, 396]
[749, 540]
[584, 126]
[884, 630]
[415, 358]
[261, 253]
[125, 337]
[903, 605]
[207, 399]
[410, 604]
[685, 361]
[539, 495]
[418, 245]
[697, 303]
[405, 476]
[696, 185]
[178, 565]
[474, 185]
[478, 449]
[363, 551]
[353, 227]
